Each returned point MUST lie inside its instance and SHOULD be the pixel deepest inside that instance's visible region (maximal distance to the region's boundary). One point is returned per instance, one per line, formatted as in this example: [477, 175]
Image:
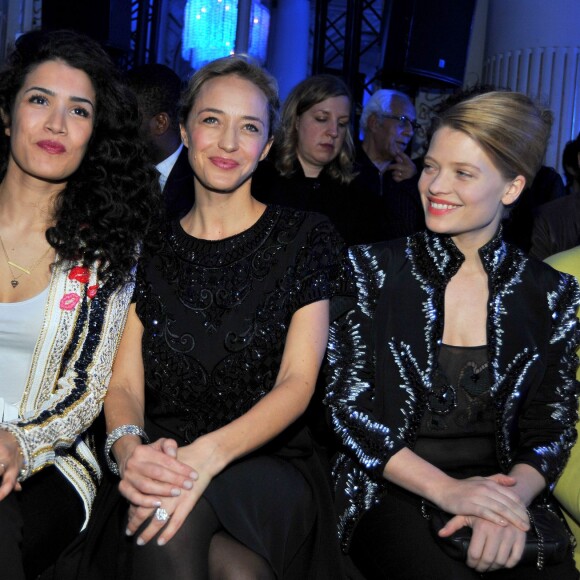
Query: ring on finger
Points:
[161, 514]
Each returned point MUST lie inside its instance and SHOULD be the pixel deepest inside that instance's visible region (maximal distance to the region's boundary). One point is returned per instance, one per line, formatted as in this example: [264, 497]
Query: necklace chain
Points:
[23, 270]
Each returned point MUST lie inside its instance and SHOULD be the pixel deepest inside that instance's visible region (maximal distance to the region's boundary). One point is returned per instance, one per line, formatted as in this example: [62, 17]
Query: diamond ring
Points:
[161, 514]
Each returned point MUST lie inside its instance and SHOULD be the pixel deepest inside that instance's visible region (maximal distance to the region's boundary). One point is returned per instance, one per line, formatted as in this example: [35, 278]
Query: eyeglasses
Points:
[403, 120]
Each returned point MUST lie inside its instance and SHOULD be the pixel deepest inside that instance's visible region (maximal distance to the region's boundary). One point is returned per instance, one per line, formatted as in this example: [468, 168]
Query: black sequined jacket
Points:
[382, 355]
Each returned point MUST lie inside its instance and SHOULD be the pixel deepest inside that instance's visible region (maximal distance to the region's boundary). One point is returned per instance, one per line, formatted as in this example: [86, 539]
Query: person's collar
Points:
[298, 171]
[381, 165]
[165, 166]
[438, 257]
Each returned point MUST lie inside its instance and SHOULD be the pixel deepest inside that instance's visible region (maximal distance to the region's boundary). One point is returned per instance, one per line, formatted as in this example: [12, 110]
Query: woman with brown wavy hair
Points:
[312, 164]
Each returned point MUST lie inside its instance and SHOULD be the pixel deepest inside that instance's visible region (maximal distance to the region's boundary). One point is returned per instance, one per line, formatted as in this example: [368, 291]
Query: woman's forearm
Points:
[409, 471]
[267, 419]
[125, 400]
[530, 482]
[484, 497]
[303, 352]
[123, 408]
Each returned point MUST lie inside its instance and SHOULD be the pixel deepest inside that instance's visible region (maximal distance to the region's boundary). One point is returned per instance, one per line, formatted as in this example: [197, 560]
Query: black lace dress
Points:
[215, 316]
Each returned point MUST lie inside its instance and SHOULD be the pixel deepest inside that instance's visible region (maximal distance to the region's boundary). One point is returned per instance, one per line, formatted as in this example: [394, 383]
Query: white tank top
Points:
[20, 325]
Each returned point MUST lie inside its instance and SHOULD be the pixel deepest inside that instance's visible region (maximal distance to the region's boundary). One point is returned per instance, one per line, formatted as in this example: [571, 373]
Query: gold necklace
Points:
[23, 270]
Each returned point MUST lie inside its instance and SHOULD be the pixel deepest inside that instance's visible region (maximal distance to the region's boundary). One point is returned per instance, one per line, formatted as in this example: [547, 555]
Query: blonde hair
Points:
[243, 67]
[510, 127]
[303, 96]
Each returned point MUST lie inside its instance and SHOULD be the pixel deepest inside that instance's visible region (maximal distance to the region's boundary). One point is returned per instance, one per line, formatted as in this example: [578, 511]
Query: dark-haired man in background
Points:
[158, 89]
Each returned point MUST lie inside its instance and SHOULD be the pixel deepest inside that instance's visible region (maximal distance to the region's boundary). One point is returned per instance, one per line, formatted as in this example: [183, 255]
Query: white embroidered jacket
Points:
[70, 371]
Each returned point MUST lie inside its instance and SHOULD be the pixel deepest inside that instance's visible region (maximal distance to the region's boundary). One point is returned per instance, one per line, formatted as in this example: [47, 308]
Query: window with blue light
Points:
[209, 30]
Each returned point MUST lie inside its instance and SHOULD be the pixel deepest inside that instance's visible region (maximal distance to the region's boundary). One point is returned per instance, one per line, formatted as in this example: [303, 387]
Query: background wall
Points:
[521, 23]
[476, 52]
[533, 46]
[527, 45]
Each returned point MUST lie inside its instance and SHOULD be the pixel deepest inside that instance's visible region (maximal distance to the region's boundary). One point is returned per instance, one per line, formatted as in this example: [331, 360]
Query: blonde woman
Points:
[219, 360]
[453, 377]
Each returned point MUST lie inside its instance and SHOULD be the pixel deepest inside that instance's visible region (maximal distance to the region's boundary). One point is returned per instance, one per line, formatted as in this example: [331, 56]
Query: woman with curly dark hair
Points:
[75, 199]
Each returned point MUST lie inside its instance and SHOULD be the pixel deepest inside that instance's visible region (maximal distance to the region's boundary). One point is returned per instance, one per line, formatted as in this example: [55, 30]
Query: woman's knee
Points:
[229, 559]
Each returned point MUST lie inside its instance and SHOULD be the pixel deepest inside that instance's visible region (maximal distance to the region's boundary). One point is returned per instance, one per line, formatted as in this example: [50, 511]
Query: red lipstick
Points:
[440, 207]
[223, 162]
[52, 147]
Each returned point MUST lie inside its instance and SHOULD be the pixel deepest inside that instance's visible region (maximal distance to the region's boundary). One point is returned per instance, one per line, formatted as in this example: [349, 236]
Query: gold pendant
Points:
[21, 268]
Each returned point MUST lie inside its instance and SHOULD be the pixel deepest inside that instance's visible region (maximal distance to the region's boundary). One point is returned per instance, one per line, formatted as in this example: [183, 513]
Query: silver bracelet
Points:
[22, 450]
[114, 436]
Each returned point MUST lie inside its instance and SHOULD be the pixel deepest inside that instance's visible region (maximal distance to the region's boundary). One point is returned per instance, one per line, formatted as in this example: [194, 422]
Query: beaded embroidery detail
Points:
[216, 314]
[368, 443]
[74, 355]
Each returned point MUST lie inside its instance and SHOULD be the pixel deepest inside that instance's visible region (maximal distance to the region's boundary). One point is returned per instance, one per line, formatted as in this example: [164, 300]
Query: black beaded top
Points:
[457, 432]
[216, 315]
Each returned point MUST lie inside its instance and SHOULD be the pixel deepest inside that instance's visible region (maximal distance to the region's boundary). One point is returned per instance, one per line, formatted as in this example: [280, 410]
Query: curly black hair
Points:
[113, 199]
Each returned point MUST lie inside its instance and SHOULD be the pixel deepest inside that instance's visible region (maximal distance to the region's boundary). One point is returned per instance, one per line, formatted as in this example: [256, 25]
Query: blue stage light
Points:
[209, 30]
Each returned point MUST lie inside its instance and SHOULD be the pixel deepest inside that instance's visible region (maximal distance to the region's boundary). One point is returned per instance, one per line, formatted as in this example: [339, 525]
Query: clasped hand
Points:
[161, 475]
[152, 472]
[497, 516]
[489, 498]
[491, 547]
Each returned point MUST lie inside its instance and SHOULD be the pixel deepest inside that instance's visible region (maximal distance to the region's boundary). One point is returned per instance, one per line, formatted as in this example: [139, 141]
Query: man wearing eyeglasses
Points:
[389, 123]
[387, 198]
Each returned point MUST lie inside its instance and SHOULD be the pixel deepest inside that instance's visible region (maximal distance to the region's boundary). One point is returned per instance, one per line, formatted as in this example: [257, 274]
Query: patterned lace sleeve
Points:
[322, 268]
[351, 361]
[82, 386]
[547, 428]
